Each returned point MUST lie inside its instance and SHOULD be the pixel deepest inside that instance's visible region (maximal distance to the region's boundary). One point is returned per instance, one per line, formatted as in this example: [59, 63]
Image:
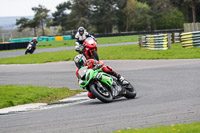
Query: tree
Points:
[41, 16]
[121, 4]
[157, 9]
[22, 23]
[104, 15]
[80, 14]
[33, 24]
[137, 16]
[189, 8]
[172, 19]
[130, 12]
[143, 16]
[192, 4]
[60, 17]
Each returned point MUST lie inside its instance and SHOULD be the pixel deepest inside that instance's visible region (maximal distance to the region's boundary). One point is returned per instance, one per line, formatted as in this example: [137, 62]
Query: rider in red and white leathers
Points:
[81, 61]
[80, 37]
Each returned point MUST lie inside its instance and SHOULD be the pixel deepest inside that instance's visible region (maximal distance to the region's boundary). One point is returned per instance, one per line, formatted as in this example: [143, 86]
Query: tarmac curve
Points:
[168, 91]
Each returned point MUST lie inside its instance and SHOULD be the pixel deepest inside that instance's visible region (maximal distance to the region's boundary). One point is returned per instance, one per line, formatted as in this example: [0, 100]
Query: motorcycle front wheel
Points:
[32, 50]
[101, 93]
[26, 51]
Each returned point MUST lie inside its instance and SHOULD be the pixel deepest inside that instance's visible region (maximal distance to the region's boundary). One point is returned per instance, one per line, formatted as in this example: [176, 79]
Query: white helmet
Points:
[81, 30]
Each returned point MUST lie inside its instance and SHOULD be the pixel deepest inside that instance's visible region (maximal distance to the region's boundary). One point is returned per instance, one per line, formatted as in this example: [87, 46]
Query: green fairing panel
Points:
[92, 74]
[106, 79]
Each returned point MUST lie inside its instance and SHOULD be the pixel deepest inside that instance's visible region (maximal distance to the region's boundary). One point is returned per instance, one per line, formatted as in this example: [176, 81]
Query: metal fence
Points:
[138, 33]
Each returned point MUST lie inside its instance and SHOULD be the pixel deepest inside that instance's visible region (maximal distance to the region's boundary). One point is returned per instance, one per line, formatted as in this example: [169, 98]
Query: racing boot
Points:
[120, 78]
[122, 82]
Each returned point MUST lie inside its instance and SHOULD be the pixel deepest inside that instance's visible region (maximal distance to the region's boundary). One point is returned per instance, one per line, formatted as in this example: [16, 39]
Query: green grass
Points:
[15, 95]
[109, 53]
[103, 40]
[134, 52]
[179, 128]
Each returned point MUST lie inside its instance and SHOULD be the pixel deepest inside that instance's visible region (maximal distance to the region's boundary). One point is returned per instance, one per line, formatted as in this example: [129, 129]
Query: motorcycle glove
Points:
[97, 66]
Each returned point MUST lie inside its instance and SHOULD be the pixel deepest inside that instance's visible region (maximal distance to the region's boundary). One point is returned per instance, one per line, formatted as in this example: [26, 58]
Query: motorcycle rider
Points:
[34, 42]
[80, 37]
[81, 61]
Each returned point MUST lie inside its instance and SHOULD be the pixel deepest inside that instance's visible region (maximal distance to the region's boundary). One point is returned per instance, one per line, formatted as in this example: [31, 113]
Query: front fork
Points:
[113, 91]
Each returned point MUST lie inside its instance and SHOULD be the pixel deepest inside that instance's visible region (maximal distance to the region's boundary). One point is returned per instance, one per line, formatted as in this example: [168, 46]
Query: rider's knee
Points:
[107, 69]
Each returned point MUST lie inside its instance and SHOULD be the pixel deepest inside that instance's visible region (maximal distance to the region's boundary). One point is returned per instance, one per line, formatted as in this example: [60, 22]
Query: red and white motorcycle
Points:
[89, 49]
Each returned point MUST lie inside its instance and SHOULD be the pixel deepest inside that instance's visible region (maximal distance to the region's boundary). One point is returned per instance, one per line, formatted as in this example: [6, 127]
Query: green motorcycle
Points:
[104, 86]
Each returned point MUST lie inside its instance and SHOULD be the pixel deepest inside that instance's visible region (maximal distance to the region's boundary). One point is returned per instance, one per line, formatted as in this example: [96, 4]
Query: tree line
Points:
[107, 16]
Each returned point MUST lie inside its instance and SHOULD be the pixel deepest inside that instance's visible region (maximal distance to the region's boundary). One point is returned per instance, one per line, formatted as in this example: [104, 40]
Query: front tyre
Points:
[130, 91]
[101, 93]
[26, 51]
[32, 50]
[95, 55]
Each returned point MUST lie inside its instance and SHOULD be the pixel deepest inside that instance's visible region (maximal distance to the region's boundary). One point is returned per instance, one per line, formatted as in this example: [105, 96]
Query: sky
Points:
[10, 8]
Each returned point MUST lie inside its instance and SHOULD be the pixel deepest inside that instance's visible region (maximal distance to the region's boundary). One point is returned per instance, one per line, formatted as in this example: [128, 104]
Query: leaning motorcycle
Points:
[103, 86]
[89, 49]
[30, 49]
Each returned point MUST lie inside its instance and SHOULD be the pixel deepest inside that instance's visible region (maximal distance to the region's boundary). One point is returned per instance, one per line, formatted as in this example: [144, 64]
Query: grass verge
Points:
[11, 95]
[179, 128]
[109, 53]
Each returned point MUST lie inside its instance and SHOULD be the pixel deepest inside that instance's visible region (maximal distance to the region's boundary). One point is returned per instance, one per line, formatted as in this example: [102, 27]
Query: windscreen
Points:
[82, 71]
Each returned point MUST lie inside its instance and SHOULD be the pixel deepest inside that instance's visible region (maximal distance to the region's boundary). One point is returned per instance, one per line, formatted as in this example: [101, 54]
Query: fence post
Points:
[173, 37]
[140, 41]
[169, 38]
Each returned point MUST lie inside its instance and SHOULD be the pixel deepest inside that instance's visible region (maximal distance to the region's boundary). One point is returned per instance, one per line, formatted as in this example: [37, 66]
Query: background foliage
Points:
[108, 16]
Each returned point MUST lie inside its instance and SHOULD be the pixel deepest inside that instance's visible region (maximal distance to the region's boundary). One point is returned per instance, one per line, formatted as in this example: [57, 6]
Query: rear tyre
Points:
[130, 91]
[95, 55]
[105, 97]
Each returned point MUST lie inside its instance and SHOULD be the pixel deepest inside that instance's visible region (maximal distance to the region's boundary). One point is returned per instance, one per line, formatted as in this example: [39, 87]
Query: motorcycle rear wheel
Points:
[130, 91]
[95, 55]
[104, 97]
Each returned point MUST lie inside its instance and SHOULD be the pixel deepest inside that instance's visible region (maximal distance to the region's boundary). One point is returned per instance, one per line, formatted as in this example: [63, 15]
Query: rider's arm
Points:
[30, 42]
[77, 38]
[100, 62]
[89, 35]
[77, 47]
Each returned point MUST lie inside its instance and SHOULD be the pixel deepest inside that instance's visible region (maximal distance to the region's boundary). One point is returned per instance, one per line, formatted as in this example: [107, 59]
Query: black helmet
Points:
[80, 60]
[81, 30]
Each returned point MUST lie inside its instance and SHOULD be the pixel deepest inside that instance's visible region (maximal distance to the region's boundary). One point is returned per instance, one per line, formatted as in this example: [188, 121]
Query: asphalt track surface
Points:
[168, 91]
[22, 52]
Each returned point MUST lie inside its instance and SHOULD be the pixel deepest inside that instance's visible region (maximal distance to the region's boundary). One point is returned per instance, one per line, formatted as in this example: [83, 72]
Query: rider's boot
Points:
[120, 78]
